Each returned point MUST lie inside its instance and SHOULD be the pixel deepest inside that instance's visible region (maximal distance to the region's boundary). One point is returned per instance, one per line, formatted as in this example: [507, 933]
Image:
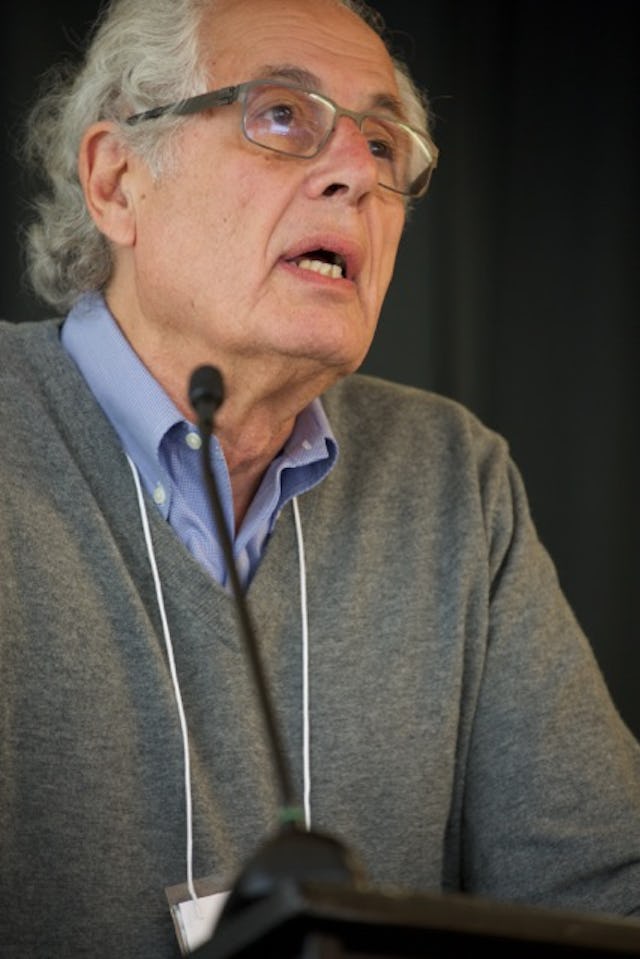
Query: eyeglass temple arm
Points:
[203, 101]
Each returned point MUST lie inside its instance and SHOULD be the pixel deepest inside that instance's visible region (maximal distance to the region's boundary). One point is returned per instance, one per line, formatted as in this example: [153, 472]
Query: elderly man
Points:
[229, 182]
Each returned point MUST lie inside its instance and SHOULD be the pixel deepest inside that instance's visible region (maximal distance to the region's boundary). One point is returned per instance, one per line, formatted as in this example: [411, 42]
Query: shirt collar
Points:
[135, 403]
[142, 414]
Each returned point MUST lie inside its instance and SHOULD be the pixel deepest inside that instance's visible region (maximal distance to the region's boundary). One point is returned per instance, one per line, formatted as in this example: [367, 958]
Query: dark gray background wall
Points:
[517, 284]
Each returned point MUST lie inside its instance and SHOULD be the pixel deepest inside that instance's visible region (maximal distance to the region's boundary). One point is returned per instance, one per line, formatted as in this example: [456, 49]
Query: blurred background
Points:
[517, 288]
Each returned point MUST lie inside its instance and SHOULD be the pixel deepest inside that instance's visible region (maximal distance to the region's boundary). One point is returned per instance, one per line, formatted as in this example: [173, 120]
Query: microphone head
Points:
[206, 391]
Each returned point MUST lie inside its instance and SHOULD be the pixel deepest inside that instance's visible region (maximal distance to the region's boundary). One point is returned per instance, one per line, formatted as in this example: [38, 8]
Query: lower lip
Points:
[318, 279]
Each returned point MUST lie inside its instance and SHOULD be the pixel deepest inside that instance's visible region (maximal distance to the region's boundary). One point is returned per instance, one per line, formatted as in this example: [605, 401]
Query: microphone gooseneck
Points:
[206, 395]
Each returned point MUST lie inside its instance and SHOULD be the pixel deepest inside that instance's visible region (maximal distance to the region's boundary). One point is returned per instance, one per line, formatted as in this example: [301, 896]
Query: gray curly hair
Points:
[142, 53]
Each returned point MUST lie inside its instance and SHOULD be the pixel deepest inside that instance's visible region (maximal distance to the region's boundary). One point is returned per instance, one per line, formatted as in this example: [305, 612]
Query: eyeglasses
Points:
[288, 119]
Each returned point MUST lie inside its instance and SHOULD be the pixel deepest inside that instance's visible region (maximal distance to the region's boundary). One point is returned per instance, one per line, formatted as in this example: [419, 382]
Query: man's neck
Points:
[263, 397]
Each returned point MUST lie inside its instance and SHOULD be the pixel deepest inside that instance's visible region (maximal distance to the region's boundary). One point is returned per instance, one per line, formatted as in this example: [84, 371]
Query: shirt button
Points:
[193, 441]
[159, 495]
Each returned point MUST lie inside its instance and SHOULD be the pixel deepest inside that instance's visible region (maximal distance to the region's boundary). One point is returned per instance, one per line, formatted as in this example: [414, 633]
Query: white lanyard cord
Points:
[306, 738]
[174, 678]
[306, 731]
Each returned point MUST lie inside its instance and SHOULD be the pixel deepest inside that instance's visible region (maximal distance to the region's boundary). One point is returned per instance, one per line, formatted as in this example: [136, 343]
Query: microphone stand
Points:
[293, 854]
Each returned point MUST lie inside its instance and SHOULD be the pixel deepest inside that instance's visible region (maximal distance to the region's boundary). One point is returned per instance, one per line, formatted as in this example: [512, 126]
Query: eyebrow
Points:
[309, 81]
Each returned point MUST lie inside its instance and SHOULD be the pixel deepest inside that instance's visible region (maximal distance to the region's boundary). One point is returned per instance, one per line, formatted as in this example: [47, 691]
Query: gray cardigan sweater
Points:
[461, 734]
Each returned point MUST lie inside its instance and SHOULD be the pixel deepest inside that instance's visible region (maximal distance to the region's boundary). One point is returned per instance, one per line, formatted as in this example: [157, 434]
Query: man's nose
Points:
[345, 165]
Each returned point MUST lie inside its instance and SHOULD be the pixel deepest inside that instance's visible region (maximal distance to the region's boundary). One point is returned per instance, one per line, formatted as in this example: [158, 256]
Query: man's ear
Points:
[105, 168]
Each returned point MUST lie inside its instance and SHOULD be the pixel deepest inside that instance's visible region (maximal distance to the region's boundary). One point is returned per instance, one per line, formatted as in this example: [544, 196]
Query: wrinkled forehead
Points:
[246, 39]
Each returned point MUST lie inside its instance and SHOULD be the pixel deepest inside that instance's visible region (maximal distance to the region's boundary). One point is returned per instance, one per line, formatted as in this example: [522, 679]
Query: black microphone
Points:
[206, 393]
[293, 854]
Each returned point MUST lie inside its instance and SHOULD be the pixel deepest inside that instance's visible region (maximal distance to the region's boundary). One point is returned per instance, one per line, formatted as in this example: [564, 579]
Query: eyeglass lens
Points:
[298, 123]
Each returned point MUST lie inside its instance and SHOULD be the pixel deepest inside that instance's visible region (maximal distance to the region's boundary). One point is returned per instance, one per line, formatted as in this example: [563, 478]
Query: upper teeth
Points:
[319, 266]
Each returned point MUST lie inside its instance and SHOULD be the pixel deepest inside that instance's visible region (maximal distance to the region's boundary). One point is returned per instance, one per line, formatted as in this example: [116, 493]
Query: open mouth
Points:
[325, 262]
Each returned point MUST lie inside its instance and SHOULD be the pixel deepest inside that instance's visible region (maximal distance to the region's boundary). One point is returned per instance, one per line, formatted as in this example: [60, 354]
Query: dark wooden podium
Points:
[323, 921]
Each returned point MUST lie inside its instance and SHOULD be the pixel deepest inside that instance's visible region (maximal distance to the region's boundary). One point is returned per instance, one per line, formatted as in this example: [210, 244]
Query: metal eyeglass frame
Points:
[228, 95]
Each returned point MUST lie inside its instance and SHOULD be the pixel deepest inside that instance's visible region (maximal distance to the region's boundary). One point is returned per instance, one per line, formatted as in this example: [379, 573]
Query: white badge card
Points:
[195, 920]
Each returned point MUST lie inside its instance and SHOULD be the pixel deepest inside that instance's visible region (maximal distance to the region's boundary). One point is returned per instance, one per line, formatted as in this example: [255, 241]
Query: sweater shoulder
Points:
[24, 347]
[20, 336]
[408, 419]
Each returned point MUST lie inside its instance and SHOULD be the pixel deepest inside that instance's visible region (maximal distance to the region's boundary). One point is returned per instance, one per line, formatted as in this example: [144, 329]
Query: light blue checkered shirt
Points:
[166, 448]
